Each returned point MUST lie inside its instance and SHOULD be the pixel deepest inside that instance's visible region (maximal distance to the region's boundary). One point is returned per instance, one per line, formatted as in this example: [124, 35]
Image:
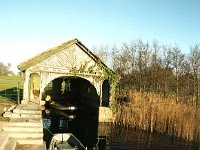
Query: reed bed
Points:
[150, 112]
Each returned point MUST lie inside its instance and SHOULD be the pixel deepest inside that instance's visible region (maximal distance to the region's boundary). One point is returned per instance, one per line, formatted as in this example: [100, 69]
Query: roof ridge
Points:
[41, 56]
[68, 43]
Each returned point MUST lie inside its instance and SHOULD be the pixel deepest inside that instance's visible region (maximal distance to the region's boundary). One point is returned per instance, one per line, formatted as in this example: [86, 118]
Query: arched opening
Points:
[82, 122]
[34, 87]
[105, 93]
[72, 90]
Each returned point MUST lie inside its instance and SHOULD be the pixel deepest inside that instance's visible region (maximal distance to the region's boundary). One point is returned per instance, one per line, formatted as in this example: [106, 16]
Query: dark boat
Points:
[65, 141]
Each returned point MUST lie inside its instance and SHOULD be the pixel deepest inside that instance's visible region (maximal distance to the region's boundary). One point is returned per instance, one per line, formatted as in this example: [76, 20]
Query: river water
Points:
[105, 136]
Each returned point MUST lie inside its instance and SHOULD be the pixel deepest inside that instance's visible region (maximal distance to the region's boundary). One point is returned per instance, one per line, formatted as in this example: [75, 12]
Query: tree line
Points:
[5, 69]
[155, 67]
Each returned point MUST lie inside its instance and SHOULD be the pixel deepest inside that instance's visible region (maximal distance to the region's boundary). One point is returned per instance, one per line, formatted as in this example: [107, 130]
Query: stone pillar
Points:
[26, 87]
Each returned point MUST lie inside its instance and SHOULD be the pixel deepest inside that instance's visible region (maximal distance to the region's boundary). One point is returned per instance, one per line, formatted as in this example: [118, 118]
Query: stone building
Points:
[69, 72]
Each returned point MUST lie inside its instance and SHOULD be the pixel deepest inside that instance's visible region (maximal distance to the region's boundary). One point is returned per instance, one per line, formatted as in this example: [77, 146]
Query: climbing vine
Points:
[102, 73]
[113, 79]
[83, 67]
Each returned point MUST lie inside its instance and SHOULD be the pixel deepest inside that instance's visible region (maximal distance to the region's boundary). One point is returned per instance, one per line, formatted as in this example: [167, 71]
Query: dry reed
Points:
[150, 112]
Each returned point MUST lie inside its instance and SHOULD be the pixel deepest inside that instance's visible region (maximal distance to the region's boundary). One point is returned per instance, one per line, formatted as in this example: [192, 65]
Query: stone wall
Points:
[105, 114]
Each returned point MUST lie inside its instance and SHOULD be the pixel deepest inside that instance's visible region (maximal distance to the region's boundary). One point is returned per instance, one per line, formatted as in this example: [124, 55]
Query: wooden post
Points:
[18, 93]
[5, 94]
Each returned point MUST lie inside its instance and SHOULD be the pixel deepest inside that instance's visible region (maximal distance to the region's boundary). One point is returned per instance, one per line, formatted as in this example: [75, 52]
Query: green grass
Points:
[12, 78]
[4, 100]
[7, 85]
[9, 82]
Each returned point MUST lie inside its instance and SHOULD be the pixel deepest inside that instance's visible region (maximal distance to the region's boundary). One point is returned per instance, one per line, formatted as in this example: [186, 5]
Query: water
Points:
[105, 136]
[121, 138]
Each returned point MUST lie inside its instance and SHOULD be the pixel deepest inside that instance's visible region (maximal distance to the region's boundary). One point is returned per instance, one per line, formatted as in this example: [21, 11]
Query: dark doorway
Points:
[76, 90]
[105, 93]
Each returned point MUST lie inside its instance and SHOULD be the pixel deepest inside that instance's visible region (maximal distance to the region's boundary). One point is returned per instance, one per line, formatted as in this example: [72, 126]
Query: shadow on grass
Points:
[11, 94]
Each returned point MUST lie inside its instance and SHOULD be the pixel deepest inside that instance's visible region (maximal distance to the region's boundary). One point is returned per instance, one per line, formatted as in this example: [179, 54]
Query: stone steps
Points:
[10, 145]
[24, 127]
[25, 134]
[3, 139]
[12, 108]
[21, 124]
[36, 141]
[27, 120]
[31, 147]
[27, 111]
[10, 114]
[23, 111]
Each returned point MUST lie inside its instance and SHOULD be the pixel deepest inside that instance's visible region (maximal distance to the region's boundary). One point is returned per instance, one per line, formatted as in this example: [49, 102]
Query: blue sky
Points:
[28, 27]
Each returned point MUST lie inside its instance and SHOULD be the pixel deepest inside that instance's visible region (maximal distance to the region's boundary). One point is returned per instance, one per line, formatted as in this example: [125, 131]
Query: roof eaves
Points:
[40, 57]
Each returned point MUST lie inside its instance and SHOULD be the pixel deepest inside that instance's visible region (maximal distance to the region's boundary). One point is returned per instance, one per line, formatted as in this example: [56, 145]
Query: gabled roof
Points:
[44, 55]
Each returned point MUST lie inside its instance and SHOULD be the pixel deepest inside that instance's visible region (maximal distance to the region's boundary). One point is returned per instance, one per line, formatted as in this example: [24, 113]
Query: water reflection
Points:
[121, 138]
[82, 123]
[105, 136]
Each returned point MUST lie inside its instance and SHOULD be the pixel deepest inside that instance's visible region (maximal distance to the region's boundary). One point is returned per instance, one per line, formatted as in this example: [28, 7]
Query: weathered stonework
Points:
[105, 114]
[71, 59]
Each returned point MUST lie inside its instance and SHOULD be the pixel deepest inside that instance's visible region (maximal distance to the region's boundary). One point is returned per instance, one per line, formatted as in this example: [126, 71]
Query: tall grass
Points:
[150, 112]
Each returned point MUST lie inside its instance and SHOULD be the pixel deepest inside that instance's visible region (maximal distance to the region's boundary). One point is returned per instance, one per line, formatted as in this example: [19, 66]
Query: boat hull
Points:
[65, 141]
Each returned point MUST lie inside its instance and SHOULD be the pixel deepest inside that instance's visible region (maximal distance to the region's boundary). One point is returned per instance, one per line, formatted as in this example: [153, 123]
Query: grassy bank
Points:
[9, 86]
[150, 112]
[8, 82]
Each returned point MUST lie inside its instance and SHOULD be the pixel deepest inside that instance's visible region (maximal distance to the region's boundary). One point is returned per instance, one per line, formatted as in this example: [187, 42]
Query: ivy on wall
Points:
[102, 73]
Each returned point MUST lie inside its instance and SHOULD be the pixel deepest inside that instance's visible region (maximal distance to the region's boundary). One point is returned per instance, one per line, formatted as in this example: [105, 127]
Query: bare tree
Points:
[102, 52]
[143, 67]
[167, 67]
[177, 61]
[132, 64]
[155, 67]
[142, 63]
[195, 66]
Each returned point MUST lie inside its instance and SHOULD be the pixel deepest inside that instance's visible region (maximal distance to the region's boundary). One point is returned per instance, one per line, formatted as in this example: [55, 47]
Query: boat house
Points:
[68, 73]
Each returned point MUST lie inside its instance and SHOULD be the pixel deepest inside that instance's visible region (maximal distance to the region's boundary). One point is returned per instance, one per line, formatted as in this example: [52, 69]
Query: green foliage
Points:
[91, 68]
[113, 79]
[83, 67]
[103, 73]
